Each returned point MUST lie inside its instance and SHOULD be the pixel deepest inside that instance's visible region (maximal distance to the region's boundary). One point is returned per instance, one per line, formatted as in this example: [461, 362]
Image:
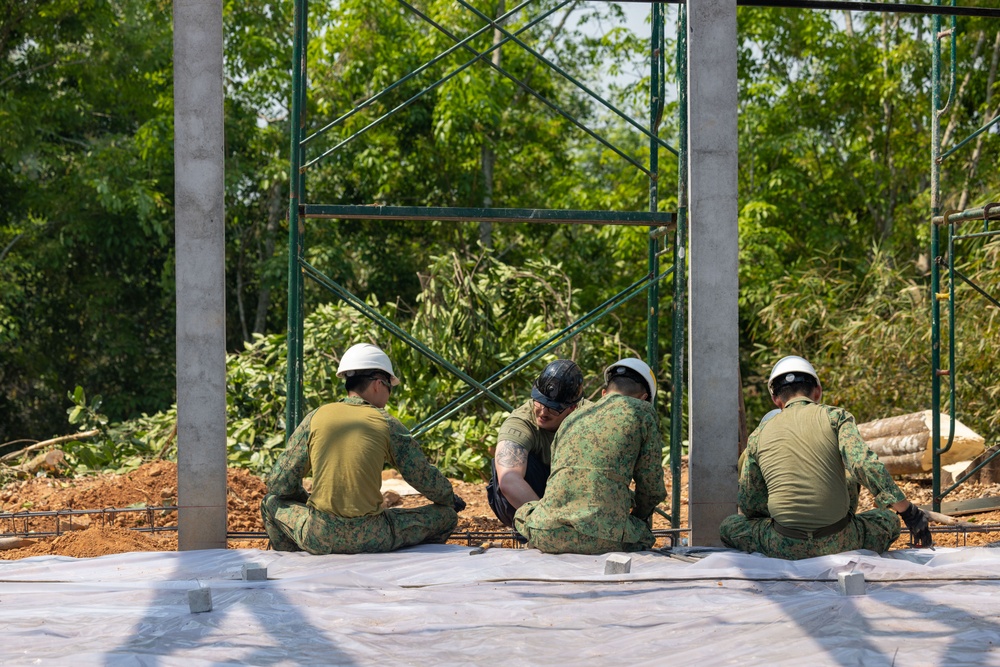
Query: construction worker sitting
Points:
[344, 447]
[588, 507]
[798, 481]
[521, 464]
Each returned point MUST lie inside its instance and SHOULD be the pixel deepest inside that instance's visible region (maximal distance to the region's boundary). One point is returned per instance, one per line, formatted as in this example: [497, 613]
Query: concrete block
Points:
[254, 572]
[200, 599]
[851, 583]
[618, 564]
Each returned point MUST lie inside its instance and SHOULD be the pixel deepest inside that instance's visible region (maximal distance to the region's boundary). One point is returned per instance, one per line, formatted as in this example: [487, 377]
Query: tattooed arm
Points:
[512, 463]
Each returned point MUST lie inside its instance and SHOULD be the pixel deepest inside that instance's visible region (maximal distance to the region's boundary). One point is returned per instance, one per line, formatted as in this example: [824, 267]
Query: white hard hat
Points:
[365, 357]
[787, 368]
[640, 367]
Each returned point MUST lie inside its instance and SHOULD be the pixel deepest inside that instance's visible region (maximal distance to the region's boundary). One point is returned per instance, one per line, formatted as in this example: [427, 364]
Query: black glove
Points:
[917, 523]
[459, 503]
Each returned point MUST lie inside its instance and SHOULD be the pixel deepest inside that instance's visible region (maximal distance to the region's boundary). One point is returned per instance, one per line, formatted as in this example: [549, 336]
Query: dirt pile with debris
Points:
[136, 500]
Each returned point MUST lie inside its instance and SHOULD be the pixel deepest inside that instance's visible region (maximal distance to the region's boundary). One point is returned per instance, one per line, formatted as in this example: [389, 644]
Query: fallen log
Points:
[903, 443]
[7, 543]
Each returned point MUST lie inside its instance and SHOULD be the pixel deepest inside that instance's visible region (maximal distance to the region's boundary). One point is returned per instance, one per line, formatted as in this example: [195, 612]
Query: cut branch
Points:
[47, 443]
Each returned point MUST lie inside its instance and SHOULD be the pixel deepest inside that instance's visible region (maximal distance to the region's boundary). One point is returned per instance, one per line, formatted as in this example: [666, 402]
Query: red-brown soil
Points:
[155, 485]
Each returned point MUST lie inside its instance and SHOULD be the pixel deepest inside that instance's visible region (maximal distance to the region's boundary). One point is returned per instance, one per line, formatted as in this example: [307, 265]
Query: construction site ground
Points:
[154, 485]
[101, 594]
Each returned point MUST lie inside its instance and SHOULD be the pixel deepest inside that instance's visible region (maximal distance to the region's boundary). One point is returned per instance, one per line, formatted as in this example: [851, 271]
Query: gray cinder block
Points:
[618, 564]
[254, 572]
[851, 583]
[200, 599]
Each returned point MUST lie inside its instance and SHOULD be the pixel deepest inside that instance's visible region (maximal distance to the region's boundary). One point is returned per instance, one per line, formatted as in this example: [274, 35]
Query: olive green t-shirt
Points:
[798, 453]
[521, 428]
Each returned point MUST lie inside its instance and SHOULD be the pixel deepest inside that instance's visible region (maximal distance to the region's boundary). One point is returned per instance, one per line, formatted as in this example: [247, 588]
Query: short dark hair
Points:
[627, 385]
[803, 387]
[359, 382]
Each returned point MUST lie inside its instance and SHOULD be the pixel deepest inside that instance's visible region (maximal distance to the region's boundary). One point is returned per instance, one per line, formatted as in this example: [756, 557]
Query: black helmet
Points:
[559, 386]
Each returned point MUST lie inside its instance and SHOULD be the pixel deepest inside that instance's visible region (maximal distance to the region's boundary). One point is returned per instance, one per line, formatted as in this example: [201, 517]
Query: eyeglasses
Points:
[553, 410]
[387, 383]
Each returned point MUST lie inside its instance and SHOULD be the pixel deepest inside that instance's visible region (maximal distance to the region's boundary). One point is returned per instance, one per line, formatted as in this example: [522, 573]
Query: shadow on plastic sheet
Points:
[919, 621]
[890, 625]
[283, 635]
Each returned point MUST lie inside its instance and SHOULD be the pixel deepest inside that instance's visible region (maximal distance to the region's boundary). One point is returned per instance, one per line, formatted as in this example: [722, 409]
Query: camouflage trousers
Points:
[874, 530]
[567, 540]
[294, 526]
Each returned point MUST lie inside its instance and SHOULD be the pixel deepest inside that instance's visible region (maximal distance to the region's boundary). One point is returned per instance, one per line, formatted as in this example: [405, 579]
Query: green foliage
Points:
[869, 338]
[461, 301]
[111, 451]
[85, 222]
[834, 146]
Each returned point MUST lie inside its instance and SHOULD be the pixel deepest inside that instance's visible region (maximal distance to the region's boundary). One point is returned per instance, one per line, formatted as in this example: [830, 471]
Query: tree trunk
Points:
[275, 213]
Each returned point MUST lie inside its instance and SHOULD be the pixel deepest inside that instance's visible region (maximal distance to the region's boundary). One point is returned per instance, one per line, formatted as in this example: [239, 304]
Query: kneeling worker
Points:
[344, 447]
[798, 483]
[524, 442]
[588, 507]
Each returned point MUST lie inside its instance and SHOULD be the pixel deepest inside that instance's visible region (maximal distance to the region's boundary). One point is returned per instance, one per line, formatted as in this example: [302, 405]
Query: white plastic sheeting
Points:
[437, 605]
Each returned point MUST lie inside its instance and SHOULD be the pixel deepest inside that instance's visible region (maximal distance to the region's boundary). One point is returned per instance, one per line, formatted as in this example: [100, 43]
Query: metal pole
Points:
[679, 345]
[296, 191]
[656, 89]
[935, 260]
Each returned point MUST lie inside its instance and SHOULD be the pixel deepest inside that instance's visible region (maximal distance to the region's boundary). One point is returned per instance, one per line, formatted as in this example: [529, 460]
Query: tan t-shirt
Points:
[348, 446]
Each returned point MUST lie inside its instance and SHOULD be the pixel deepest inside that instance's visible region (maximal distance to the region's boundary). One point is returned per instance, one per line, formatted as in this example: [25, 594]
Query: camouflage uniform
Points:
[343, 514]
[521, 428]
[588, 507]
[803, 468]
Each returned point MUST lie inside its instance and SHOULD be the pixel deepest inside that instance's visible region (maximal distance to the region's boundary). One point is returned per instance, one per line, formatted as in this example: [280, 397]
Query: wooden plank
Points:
[970, 506]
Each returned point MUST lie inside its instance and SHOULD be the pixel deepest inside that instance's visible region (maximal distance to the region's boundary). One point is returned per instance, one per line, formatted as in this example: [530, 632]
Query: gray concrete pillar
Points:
[201, 298]
[713, 283]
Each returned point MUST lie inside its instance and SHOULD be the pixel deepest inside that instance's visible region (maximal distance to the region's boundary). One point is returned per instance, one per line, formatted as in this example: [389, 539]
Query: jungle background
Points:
[834, 146]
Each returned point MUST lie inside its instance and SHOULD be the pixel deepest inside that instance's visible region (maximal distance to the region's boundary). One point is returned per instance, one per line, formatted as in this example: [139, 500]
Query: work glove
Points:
[916, 521]
[459, 503]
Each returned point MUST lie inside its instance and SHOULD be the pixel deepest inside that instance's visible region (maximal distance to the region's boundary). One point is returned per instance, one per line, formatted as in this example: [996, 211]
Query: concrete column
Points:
[201, 301]
[713, 370]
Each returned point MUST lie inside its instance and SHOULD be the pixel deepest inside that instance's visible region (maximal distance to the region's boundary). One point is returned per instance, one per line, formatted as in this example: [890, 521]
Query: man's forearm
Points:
[516, 490]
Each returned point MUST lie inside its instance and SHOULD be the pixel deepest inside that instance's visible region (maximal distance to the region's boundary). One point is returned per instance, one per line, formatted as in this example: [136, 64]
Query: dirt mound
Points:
[98, 541]
[134, 497]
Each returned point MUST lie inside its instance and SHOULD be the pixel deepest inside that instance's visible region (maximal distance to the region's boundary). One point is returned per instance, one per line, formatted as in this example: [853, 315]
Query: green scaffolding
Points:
[945, 240]
[661, 224]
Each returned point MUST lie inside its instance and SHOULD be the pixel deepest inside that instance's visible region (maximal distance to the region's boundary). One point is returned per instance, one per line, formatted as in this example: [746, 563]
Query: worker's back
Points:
[799, 455]
[597, 451]
[348, 447]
